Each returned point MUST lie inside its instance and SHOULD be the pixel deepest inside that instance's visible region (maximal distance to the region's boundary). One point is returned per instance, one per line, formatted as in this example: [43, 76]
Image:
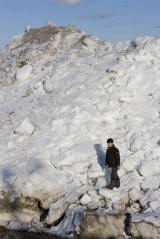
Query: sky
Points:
[114, 20]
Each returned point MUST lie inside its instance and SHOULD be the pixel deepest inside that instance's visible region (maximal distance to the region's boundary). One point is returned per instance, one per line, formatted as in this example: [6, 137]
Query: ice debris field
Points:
[62, 94]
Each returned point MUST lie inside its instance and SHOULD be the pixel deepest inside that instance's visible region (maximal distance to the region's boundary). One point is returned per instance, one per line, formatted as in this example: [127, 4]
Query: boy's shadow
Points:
[101, 156]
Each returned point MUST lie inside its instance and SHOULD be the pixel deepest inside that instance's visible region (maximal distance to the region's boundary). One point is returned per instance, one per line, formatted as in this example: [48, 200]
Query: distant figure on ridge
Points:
[113, 161]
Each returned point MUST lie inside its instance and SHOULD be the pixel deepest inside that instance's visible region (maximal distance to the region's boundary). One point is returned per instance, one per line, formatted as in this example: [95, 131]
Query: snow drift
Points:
[63, 93]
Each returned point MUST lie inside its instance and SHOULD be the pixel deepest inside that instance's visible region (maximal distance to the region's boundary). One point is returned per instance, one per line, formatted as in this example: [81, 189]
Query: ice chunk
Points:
[25, 128]
[150, 182]
[24, 73]
[94, 224]
[85, 199]
[149, 167]
[145, 225]
[58, 208]
[101, 182]
[48, 85]
[134, 194]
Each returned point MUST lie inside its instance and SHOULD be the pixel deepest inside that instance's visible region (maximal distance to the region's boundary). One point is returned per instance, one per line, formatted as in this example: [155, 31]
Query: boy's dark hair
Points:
[110, 140]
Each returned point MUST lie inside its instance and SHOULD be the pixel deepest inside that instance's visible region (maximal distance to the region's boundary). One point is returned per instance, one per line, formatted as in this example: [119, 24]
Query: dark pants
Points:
[114, 174]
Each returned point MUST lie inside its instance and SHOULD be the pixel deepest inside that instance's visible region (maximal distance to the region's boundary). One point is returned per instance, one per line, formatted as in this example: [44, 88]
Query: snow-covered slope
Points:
[62, 94]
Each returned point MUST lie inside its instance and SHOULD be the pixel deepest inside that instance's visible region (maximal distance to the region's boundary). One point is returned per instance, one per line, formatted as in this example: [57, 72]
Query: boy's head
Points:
[110, 142]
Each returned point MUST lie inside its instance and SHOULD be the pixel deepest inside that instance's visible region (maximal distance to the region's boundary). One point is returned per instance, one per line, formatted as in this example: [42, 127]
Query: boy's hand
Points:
[118, 167]
[106, 165]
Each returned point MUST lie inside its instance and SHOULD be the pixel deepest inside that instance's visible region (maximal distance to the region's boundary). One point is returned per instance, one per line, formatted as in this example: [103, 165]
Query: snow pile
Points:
[63, 93]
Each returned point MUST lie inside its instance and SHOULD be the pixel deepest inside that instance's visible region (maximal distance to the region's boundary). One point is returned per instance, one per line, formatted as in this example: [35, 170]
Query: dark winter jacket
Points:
[112, 157]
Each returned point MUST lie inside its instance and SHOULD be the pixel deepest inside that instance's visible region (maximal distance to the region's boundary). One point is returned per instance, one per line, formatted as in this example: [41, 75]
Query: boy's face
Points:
[110, 144]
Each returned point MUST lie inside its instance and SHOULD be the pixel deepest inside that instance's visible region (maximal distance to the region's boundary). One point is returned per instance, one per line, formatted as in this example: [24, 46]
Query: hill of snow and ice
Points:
[62, 94]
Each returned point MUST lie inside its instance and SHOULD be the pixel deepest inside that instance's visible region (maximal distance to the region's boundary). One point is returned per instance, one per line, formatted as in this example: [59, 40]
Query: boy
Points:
[113, 161]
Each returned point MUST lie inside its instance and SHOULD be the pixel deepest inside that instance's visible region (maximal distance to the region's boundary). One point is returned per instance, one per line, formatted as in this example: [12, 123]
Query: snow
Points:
[145, 225]
[148, 217]
[48, 85]
[95, 171]
[85, 199]
[25, 128]
[70, 223]
[101, 182]
[27, 28]
[155, 206]
[151, 182]
[149, 167]
[149, 196]
[134, 194]
[24, 73]
[109, 194]
[58, 208]
[73, 93]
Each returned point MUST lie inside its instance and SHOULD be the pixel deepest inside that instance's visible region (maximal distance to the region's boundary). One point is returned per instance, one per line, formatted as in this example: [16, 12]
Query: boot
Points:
[117, 183]
[112, 184]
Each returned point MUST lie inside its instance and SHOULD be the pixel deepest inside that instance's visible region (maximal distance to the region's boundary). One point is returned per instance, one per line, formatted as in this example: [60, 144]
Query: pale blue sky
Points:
[113, 20]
